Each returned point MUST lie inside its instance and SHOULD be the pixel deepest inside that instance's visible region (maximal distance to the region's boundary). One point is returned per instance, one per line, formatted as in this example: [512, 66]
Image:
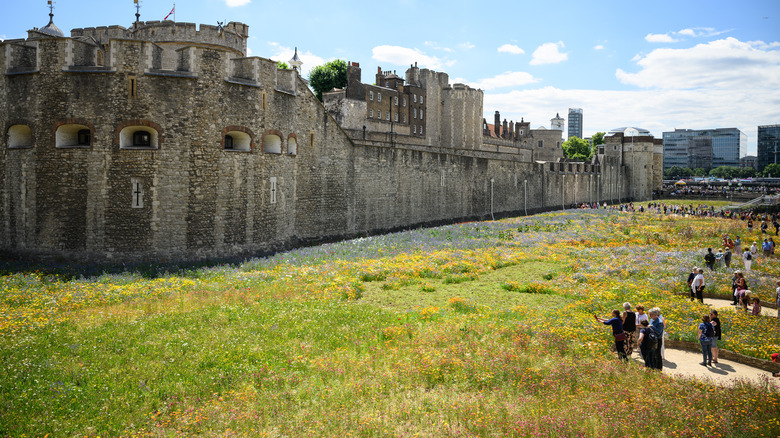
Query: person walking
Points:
[691, 276]
[658, 327]
[737, 246]
[706, 333]
[617, 332]
[647, 346]
[756, 306]
[629, 326]
[709, 259]
[727, 257]
[747, 259]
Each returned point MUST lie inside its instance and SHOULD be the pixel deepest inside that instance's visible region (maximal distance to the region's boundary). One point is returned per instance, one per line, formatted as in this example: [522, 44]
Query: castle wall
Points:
[298, 179]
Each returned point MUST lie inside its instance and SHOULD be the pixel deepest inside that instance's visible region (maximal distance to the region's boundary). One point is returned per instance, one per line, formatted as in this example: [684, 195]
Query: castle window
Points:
[73, 136]
[404, 118]
[292, 145]
[142, 139]
[378, 97]
[370, 95]
[237, 141]
[379, 114]
[138, 137]
[395, 99]
[370, 114]
[421, 99]
[403, 101]
[387, 84]
[415, 98]
[396, 117]
[19, 136]
[388, 116]
[421, 129]
[132, 87]
[540, 143]
[272, 144]
[415, 129]
[420, 114]
[415, 112]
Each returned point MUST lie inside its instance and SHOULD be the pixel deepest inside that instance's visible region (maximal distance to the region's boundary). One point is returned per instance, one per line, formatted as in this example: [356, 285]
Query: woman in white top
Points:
[747, 259]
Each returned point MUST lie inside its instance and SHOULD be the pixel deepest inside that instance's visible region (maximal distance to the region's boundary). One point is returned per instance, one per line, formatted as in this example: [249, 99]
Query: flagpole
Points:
[174, 12]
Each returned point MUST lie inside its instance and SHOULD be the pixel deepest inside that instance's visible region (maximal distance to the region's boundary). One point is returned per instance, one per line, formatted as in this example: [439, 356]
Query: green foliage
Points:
[282, 65]
[699, 171]
[598, 138]
[772, 169]
[328, 76]
[675, 172]
[576, 148]
[730, 172]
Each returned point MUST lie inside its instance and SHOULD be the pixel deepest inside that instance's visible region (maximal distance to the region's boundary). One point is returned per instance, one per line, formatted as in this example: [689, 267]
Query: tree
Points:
[726, 172]
[746, 172]
[773, 170]
[282, 65]
[699, 171]
[328, 76]
[576, 148]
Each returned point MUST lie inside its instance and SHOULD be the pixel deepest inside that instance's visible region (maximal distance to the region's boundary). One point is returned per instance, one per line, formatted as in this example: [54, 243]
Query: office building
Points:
[704, 148]
[768, 145]
[575, 122]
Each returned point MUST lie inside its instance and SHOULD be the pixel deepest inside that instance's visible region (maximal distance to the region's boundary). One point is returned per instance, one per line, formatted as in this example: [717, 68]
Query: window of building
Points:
[415, 112]
[388, 116]
[421, 99]
[73, 136]
[272, 144]
[421, 111]
[403, 101]
[370, 114]
[415, 129]
[415, 98]
[395, 100]
[139, 137]
[292, 146]
[540, 143]
[421, 129]
[237, 141]
[396, 117]
[370, 95]
[379, 114]
[387, 84]
[19, 136]
[378, 97]
[404, 118]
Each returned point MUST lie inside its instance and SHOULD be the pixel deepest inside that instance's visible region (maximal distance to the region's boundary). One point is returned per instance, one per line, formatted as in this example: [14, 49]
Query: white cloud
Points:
[506, 79]
[435, 46]
[598, 47]
[726, 63]
[548, 53]
[659, 38]
[466, 46]
[235, 3]
[405, 56]
[511, 48]
[687, 32]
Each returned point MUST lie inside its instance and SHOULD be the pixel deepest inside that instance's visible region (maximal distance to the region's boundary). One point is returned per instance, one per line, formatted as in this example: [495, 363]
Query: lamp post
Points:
[525, 196]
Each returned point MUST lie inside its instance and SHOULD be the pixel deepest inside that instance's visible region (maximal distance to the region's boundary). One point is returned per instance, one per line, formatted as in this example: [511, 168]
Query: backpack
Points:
[749, 257]
[709, 330]
[651, 338]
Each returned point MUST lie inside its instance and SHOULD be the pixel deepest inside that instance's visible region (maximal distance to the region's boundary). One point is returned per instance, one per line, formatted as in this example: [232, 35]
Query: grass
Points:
[463, 330]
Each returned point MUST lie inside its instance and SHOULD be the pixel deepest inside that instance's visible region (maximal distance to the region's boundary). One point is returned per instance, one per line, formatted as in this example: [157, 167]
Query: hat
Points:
[775, 356]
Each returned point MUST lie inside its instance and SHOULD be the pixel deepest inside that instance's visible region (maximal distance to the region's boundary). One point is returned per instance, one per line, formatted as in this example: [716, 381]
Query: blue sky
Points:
[658, 65]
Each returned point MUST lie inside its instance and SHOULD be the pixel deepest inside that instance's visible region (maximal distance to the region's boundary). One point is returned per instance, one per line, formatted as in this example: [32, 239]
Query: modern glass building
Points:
[575, 122]
[768, 145]
[704, 148]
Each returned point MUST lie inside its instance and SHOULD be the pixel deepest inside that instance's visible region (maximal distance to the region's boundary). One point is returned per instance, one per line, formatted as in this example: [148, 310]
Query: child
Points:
[756, 306]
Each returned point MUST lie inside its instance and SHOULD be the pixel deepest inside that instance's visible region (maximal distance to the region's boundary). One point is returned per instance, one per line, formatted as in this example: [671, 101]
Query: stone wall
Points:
[298, 179]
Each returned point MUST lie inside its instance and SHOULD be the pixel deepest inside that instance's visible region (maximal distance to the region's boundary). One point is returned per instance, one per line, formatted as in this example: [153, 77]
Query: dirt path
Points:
[682, 362]
[725, 304]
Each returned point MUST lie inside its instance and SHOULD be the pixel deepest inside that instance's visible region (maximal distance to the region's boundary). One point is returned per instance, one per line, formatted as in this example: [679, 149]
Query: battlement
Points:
[231, 36]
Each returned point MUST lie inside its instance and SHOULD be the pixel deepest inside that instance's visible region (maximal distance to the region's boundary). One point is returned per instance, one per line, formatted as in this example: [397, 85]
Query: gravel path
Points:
[725, 304]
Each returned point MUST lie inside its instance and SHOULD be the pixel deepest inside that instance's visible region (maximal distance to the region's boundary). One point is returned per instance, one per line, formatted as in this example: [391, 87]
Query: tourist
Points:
[777, 298]
[764, 226]
[744, 299]
[617, 332]
[697, 287]
[629, 326]
[719, 258]
[642, 316]
[750, 225]
[754, 249]
[771, 246]
[709, 259]
[691, 276]
[658, 326]
[647, 346]
[747, 259]
[727, 257]
[766, 248]
[737, 246]
[706, 334]
[715, 321]
[756, 306]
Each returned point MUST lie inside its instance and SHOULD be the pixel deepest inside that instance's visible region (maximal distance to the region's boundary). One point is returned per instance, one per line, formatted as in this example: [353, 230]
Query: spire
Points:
[137, 11]
[51, 28]
[296, 62]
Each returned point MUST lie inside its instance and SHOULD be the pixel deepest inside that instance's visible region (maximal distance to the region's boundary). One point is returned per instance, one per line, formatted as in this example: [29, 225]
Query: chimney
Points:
[497, 124]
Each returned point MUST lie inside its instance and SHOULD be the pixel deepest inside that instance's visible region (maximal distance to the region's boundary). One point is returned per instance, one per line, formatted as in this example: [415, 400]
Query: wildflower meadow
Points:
[471, 329]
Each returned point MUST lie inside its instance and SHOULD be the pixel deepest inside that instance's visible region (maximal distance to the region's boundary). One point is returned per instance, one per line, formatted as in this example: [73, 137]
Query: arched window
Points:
[71, 135]
[292, 145]
[139, 137]
[272, 144]
[237, 141]
[19, 136]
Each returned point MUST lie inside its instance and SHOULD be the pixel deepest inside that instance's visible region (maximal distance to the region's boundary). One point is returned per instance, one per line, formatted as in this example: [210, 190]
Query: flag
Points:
[169, 13]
